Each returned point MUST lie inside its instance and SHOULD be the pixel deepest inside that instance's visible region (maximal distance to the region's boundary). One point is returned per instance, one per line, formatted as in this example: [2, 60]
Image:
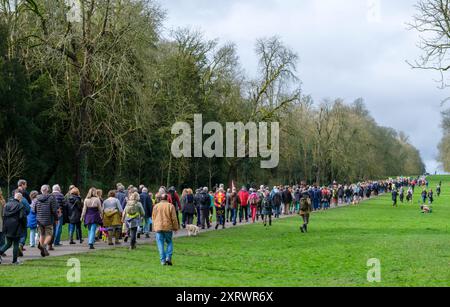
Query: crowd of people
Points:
[407, 186]
[127, 214]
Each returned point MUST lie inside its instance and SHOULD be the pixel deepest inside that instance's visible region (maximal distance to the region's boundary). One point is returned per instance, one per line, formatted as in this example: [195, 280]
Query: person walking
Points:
[74, 207]
[326, 197]
[228, 206]
[46, 210]
[211, 206]
[424, 196]
[267, 208]
[197, 202]
[287, 200]
[275, 197]
[112, 217]
[165, 224]
[219, 204]
[175, 200]
[14, 224]
[132, 215]
[430, 197]
[26, 201]
[2, 207]
[147, 204]
[394, 197]
[297, 197]
[120, 195]
[59, 197]
[32, 219]
[92, 215]
[234, 205]
[205, 203]
[243, 200]
[253, 201]
[305, 211]
[402, 194]
[189, 209]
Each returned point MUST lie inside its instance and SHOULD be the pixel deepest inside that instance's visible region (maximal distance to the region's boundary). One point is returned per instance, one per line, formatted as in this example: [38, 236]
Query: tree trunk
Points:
[169, 171]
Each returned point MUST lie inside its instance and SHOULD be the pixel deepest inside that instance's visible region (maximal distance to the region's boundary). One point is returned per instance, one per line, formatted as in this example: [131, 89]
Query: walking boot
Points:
[117, 238]
[110, 238]
[20, 254]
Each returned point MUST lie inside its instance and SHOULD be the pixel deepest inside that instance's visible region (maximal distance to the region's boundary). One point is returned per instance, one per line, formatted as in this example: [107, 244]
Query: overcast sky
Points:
[347, 49]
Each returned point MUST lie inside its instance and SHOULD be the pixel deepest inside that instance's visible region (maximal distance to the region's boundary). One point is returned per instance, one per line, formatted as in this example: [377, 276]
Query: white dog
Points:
[192, 230]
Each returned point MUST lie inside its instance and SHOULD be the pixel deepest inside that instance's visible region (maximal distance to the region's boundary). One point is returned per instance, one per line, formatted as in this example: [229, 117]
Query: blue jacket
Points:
[32, 220]
[27, 206]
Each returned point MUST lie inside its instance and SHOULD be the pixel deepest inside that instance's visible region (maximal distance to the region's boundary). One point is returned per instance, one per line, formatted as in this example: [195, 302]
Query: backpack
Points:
[253, 199]
[190, 199]
[276, 199]
[304, 204]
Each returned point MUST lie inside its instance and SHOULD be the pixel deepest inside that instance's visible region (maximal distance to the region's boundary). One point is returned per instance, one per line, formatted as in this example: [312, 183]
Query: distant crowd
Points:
[127, 214]
[407, 186]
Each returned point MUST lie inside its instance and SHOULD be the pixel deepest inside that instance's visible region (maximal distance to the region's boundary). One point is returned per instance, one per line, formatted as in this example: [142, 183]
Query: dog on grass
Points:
[192, 230]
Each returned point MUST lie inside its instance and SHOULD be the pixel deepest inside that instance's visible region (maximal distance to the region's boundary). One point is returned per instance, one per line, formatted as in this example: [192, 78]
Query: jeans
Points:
[243, 211]
[161, 239]
[188, 219]
[11, 242]
[75, 227]
[58, 230]
[33, 232]
[228, 213]
[133, 234]
[277, 210]
[2, 239]
[147, 223]
[220, 216]
[92, 229]
[205, 217]
[234, 215]
[23, 238]
[199, 214]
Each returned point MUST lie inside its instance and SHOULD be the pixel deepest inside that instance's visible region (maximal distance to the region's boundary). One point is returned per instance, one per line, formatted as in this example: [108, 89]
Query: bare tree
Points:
[432, 21]
[12, 162]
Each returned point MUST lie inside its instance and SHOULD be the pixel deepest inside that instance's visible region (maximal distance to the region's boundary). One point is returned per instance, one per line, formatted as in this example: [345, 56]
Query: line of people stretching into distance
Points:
[128, 214]
[409, 185]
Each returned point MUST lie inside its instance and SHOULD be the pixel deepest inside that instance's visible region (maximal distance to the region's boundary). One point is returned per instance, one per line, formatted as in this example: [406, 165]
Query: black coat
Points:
[14, 219]
[74, 208]
[147, 204]
[189, 204]
[205, 201]
[287, 197]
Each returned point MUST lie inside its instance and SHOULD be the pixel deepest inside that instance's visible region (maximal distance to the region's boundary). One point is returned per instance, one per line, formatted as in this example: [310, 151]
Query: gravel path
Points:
[67, 249]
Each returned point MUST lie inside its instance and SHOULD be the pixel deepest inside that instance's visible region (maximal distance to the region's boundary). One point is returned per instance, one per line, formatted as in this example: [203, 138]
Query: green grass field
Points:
[414, 250]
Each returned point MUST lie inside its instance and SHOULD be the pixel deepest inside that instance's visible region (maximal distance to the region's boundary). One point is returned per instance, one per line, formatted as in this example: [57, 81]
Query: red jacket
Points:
[243, 197]
[174, 201]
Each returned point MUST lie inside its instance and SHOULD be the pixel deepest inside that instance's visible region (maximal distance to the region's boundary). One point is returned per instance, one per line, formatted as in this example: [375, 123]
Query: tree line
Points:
[89, 91]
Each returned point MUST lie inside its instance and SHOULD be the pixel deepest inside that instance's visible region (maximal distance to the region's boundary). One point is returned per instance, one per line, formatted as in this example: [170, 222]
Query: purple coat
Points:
[92, 217]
